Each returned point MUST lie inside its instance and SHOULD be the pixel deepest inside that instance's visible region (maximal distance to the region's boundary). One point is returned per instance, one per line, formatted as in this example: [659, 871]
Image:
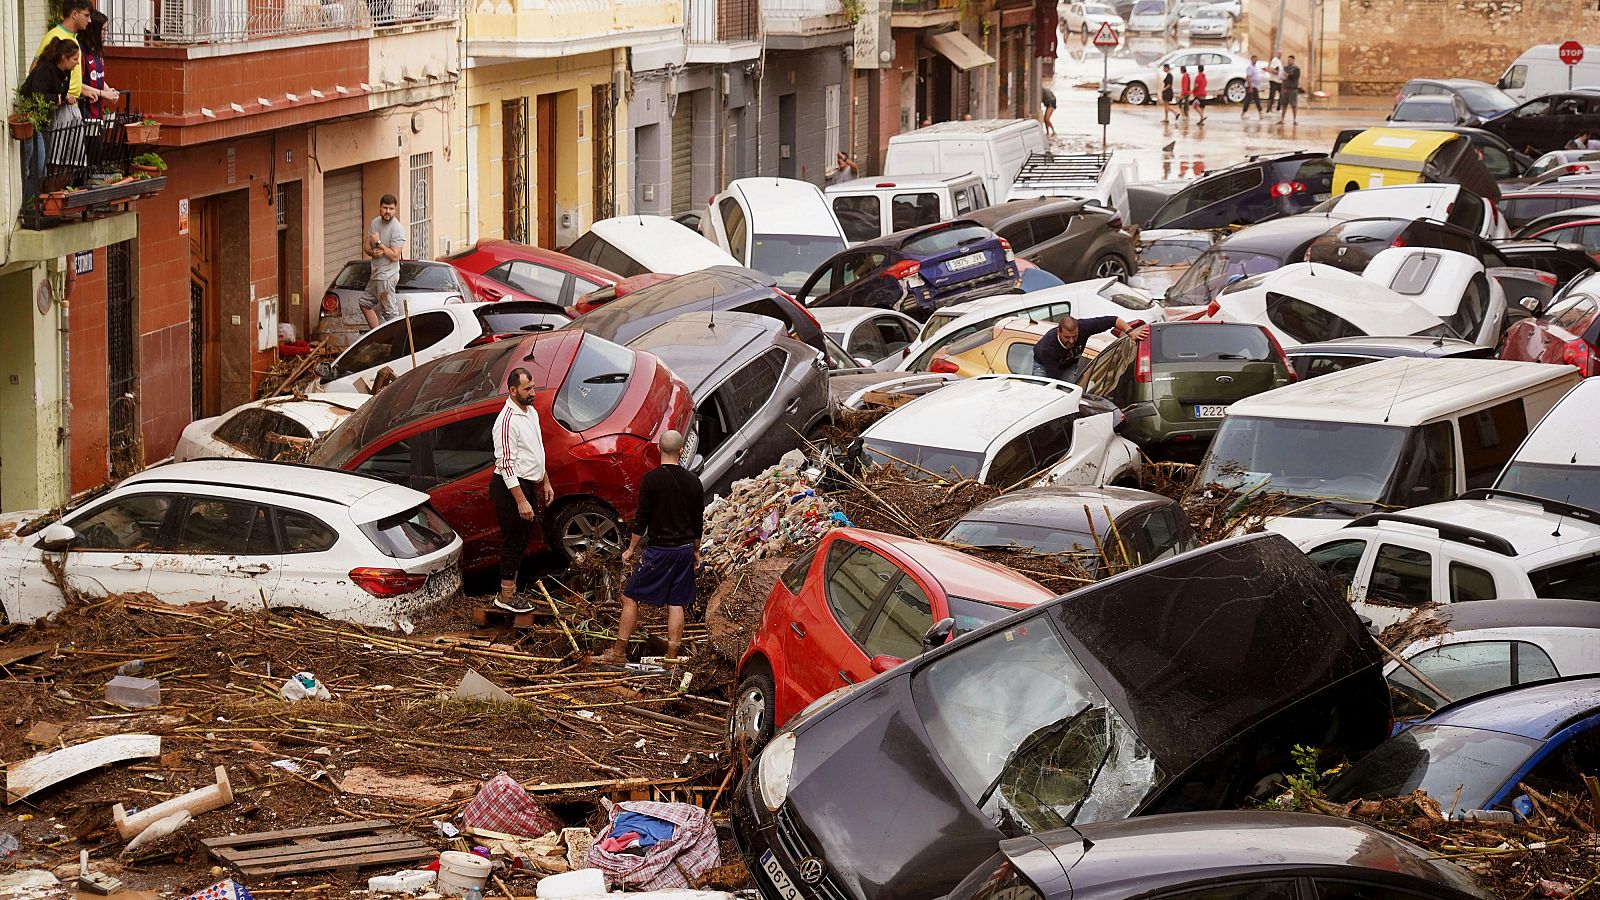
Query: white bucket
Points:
[459, 871]
[577, 883]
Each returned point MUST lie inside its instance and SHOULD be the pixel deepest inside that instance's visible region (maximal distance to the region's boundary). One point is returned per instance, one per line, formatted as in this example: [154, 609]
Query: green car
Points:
[1174, 386]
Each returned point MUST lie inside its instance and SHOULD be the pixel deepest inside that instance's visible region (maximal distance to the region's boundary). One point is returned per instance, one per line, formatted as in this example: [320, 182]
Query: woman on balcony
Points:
[99, 100]
[50, 78]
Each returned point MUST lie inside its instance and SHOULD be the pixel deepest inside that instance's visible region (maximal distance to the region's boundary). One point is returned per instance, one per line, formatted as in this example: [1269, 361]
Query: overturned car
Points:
[1178, 686]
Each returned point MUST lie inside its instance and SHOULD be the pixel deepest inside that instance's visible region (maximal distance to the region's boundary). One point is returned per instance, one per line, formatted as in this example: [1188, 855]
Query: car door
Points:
[1463, 670]
[739, 434]
[822, 635]
[1401, 578]
[897, 333]
[222, 548]
[859, 280]
[1341, 562]
[865, 343]
[895, 629]
[310, 554]
[119, 543]
[1522, 126]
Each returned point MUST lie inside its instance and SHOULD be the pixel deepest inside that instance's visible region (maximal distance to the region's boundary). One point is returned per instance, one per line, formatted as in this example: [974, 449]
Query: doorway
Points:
[514, 166]
[205, 312]
[122, 370]
[787, 126]
[545, 118]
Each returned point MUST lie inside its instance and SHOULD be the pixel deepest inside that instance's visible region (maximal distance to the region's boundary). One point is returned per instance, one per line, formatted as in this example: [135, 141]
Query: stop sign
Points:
[1570, 52]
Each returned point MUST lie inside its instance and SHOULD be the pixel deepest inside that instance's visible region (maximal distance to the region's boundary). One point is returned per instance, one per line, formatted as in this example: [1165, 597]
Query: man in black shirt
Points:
[669, 522]
[1059, 354]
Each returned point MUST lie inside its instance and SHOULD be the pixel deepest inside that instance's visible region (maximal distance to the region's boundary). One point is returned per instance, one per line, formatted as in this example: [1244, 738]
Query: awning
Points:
[960, 49]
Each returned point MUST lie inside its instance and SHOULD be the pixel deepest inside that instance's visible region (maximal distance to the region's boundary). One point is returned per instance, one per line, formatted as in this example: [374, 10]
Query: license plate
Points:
[1321, 197]
[967, 262]
[1210, 412]
[778, 877]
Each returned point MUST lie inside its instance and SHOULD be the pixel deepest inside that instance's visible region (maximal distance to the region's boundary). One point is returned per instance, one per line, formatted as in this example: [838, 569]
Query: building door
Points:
[292, 307]
[514, 167]
[605, 152]
[205, 311]
[546, 117]
[122, 385]
[861, 123]
[683, 154]
[421, 221]
[787, 126]
[342, 223]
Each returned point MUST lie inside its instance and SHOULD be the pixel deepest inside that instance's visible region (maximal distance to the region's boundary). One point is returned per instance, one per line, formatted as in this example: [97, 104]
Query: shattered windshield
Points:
[1027, 735]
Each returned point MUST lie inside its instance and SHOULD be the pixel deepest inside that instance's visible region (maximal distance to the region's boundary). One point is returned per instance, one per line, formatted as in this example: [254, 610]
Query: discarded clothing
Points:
[502, 805]
[650, 830]
[687, 852]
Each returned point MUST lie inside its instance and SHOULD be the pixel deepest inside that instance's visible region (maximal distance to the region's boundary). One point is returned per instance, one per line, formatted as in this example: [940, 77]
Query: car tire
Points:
[1111, 265]
[750, 717]
[1136, 94]
[1234, 92]
[581, 525]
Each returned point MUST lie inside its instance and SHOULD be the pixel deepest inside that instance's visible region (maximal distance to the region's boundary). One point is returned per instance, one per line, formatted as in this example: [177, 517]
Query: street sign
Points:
[1570, 52]
[1105, 39]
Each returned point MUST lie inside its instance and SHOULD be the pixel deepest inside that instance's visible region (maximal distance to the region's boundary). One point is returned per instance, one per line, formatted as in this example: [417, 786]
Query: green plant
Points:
[34, 108]
[153, 160]
[853, 9]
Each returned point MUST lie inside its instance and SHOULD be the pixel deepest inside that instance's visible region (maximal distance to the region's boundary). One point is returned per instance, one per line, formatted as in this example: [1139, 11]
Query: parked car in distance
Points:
[1217, 854]
[1481, 100]
[1211, 22]
[1548, 122]
[719, 288]
[1153, 17]
[1263, 188]
[1175, 386]
[1475, 754]
[635, 245]
[873, 338]
[1524, 204]
[1444, 109]
[1250, 251]
[422, 285]
[507, 270]
[1164, 254]
[780, 226]
[601, 409]
[974, 733]
[869, 208]
[916, 271]
[857, 603]
[1133, 526]
[1304, 303]
[1584, 233]
[249, 533]
[1224, 71]
[757, 392]
[1558, 459]
[258, 430]
[400, 344]
[1327, 357]
[1086, 18]
[1072, 239]
[1446, 202]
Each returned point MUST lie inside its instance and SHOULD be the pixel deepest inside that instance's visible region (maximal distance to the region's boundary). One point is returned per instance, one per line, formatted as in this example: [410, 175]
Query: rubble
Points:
[772, 514]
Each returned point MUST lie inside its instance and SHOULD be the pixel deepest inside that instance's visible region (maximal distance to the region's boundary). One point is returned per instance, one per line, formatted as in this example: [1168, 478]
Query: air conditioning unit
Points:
[199, 21]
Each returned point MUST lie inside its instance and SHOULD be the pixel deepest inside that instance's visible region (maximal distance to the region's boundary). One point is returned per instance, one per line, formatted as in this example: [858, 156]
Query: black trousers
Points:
[1251, 95]
[1274, 94]
[514, 530]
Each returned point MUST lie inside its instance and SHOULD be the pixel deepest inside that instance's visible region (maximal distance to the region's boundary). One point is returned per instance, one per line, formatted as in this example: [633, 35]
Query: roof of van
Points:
[973, 127]
[662, 245]
[909, 182]
[786, 206]
[1402, 391]
[1567, 435]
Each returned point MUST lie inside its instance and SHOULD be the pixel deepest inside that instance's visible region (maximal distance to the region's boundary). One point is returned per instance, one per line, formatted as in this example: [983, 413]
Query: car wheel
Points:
[585, 526]
[750, 719]
[1135, 94]
[1111, 266]
[1235, 91]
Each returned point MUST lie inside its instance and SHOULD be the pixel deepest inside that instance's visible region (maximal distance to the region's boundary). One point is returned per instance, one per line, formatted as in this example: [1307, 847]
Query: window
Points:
[1563, 769]
[914, 210]
[437, 456]
[252, 431]
[942, 239]
[592, 248]
[733, 226]
[1219, 341]
[1019, 358]
[1305, 322]
[225, 527]
[1470, 583]
[1428, 474]
[1049, 227]
[1355, 890]
[867, 343]
[410, 534]
[794, 577]
[1515, 77]
[1018, 234]
[131, 523]
[594, 385]
[387, 343]
[537, 282]
[1159, 534]
[421, 245]
[1498, 162]
[1467, 212]
[1577, 579]
[896, 334]
[416, 275]
[1401, 575]
[1307, 365]
[304, 534]
[858, 266]
[753, 385]
[1249, 890]
[856, 578]
[1414, 275]
[860, 217]
[1474, 308]
[830, 123]
[1339, 561]
[1012, 463]
[899, 626]
[964, 201]
[1488, 438]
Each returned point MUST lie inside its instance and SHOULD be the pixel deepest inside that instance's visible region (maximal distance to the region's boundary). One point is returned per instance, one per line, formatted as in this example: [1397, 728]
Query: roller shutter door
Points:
[682, 165]
[342, 221]
[860, 117]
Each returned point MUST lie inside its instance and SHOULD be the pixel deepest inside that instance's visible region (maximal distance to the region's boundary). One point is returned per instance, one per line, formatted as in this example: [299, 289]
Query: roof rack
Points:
[1555, 507]
[1491, 542]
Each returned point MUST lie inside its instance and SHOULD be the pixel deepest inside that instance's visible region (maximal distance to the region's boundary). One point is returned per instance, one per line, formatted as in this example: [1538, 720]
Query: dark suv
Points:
[1264, 188]
[1074, 240]
[1549, 122]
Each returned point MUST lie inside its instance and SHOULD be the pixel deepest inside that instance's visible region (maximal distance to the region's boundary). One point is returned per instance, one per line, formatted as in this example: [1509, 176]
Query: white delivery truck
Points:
[1540, 71]
[995, 149]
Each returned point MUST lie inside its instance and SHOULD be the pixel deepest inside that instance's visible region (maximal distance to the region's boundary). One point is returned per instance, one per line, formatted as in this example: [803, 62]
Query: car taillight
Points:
[387, 582]
[1399, 241]
[1578, 169]
[943, 366]
[330, 304]
[455, 298]
[482, 339]
[1142, 373]
[1286, 188]
[1282, 356]
[903, 269]
[1579, 354]
[1213, 308]
[1006, 246]
[1547, 278]
[798, 305]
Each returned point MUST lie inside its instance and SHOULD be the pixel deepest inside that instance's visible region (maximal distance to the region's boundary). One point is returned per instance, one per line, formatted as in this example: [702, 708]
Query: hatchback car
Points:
[1548, 122]
[1123, 698]
[858, 603]
[757, 392]
[1005, 349]
[1071, 239]
[423, 285]
[1446, 202]
[1584, 233]
[1352, 245]
[601, 408]
[781, 226]
[1307, 303]
[917, 270]
[1437, 109]
[1327, 357]
[873, 338]
[401, 344]
[507, 270]
[1124, 527]
[1175, 386]
[719, 288]
[1482, 100]
[1255, 250]
[1266, 187]
[1576, 213]
[266, 428]
[637, 244]
[249, 533]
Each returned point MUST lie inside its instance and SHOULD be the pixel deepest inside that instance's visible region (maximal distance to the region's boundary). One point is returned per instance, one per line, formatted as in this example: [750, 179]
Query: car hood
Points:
[10, 522]
[1300, 529]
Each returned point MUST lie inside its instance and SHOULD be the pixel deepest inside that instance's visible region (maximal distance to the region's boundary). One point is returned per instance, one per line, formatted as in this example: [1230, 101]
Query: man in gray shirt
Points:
[385, 245]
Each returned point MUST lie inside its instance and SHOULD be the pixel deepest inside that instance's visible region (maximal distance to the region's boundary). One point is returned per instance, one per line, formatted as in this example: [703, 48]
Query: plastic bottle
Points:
[472, 893]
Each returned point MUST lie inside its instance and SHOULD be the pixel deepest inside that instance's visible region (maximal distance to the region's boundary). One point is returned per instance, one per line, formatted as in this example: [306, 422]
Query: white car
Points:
[1232, 7]
[1005, 430]
[780, 226]
[1224, 75]
[1153, 16]
[255, 430]
[1210, 22]
[1560, 457]
[402, 344]
[1485, 545]
[1442, 202]
[637, 245]
[876, 339]
[1451, 285]
[1088, 17]
[1306, 303]
[246, 532]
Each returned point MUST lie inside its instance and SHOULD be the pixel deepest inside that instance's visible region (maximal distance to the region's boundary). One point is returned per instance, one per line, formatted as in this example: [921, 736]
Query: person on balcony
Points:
[49, 78]
[96, 108]
[75, 17]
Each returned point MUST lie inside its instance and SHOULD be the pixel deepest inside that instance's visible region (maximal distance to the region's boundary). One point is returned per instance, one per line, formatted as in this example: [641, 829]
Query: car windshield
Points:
[1485, 98]
[1211, 14]
[791, 258]
[1097, 10]
[1305, 458]
[1027, 735]
[1439, 759]
[1150, 8]
[1038, 538]
[1425, 109]
[1210, 273]
[970, 615]
[423, 276]
[1211, 342]
[1573, 484]
[594, 385]
[1126, 297]
[917, 461]
[1172, 252]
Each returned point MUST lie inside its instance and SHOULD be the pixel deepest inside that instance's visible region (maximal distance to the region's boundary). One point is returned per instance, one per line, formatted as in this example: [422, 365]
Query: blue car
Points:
[1474, 753]
[917, 270]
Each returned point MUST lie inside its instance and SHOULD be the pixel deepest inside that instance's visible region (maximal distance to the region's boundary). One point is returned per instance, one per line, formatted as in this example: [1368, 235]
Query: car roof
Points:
[1485, 614]
[1417, 390]
[1534, 711]
[972, 414]
[1432, 99]
[899, 239]
[785, 206]
[1568, 433]
[1388, 345]
[1273, 234]
[1364, 302]
[1062, 508]
[961, 574]
[719, 285]
[1015, 210]
[367, 497]
[508, 250]
[969, 126]
[661, 245]
[698, 345]
[843, 318]
[913, 182]
[1451, 82]
[1528, 525]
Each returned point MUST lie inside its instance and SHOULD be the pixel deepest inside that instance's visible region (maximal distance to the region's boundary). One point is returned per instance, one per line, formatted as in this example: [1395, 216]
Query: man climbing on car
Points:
[1059, 354]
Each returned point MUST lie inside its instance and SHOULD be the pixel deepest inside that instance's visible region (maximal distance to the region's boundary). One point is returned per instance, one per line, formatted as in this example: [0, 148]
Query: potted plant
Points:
[142, 132]
[29, 115]
[149, 163]
[53, 204]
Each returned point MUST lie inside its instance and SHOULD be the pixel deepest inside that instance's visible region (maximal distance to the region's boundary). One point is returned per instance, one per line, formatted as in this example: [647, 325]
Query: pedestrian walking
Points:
[1059, 354]
[1166, 93]
[518, 468]
[670, 517]
[1200, 93]
[1185, 92]
[385, 245]
[1049, 103]
[1253, 79]
[1274, 83]
[1291, 90]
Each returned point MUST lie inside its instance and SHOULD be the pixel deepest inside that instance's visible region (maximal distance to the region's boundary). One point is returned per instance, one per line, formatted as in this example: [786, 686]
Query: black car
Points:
[1499, 158]
[1440, 110]
[1352, 245]
[1074, 240]
[1549, 122]
[1176, 686]
[1338, 354]
[1481, 99]
[917, 270]
[1249, 251]
[1264, 188]
[1564, 261]
[1132, 525]
[719, 288]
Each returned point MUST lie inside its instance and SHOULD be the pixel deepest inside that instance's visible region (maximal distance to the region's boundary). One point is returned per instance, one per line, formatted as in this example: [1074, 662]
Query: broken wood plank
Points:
[320, 848]
[889, 399]
[620, 785]
[18, 654]
[45, 733]
[267, 837]
[26, 778]
[369, 859]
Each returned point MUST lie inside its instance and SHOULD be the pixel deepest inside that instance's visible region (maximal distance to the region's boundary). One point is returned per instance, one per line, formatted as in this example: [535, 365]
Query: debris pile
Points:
[293, 374]
[772, 514]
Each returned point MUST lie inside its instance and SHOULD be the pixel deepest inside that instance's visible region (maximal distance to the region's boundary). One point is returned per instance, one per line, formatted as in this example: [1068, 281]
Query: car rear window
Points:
[1425, 109]
[508, 322]
[421, 276]
[1578, 579]
[946, 239]
[1126, 297]
[1208, 342]
[1316, 174]
[416, 532]
[1172, 253]
[1306, 322]
[594, 385]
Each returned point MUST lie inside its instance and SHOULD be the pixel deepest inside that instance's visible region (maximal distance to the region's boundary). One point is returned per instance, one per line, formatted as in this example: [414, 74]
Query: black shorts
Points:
[1166, 96]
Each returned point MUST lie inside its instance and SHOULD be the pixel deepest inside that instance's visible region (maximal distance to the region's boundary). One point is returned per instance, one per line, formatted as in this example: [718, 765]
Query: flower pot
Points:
[152, 171]
[52, 204]
[21, 127]
[141, 134]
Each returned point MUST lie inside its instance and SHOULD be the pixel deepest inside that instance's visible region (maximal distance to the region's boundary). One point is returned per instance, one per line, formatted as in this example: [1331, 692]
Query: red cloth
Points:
[502, 805]
[672, 863]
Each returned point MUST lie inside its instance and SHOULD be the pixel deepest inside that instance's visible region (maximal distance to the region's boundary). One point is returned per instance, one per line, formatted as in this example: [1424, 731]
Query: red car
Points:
[1566, 333]
[507, 270]
[859, 603]
[601, 408]
[617, 291]
[1584, 232]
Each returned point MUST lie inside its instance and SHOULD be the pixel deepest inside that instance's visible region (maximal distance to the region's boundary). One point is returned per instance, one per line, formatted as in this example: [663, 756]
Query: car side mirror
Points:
[325, 371]
[884, 663]
[57, 538]
[1531, 304]
[939, 634]
[863, 362]
[695, 462]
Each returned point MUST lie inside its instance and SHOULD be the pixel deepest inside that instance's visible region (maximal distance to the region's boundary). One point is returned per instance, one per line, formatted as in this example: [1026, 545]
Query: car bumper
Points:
[927, 299]
[757, 833]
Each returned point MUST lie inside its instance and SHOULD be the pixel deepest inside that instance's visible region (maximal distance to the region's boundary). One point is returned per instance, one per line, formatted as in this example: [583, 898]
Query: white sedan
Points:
[874, 338]
[1088, 17]
[1210, 22]
[1224, 76]
[1305, 303]
[245, 532]
[266, 428]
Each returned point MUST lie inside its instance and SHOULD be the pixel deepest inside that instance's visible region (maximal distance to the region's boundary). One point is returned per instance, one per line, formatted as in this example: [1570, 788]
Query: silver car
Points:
[423, 285]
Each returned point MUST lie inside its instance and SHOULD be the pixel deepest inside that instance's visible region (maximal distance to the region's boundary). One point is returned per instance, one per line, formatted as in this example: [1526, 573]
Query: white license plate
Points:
[1210, 412]
[967, 262]
[1321, 197]
[778, 877]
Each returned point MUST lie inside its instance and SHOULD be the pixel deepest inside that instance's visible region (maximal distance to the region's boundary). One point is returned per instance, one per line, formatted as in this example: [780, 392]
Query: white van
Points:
[636, 245]
[869, 208]
[1560, 460]
[780, 226]
[1396, 433]
[1540, 71]
[992, 148]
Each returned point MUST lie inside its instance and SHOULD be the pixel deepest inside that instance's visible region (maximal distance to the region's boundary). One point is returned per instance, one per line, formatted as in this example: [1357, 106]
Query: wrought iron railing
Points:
[721, 21]
[143, 22]
[801, 9]
[74, 168]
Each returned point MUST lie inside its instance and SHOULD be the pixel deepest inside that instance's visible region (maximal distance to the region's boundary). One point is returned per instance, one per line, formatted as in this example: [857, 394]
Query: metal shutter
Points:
[682, 144]
[861, 138]
[342, 220]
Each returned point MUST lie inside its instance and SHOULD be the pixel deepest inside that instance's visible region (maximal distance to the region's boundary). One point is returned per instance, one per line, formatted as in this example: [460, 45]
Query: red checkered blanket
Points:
[673, 863]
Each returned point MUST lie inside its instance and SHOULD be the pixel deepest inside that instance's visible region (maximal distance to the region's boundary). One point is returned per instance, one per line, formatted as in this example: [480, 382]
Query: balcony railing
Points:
[144, 22]
[793, 16]
[924, 6]
[721, 21]
[82, 170]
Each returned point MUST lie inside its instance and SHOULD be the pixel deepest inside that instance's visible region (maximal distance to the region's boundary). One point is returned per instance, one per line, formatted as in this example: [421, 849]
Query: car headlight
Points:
[775, 770]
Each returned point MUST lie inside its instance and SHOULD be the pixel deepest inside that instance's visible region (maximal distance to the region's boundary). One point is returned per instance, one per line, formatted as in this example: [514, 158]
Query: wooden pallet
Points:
[318, 849]
[484, 616]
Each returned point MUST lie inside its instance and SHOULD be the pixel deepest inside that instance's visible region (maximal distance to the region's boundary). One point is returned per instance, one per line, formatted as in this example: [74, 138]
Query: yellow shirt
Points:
[77, 70]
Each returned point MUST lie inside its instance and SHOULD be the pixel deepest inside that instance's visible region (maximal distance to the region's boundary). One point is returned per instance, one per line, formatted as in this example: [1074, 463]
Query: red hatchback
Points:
[858, 603]
[601, 408]
[1566, 333]
[507, 270]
